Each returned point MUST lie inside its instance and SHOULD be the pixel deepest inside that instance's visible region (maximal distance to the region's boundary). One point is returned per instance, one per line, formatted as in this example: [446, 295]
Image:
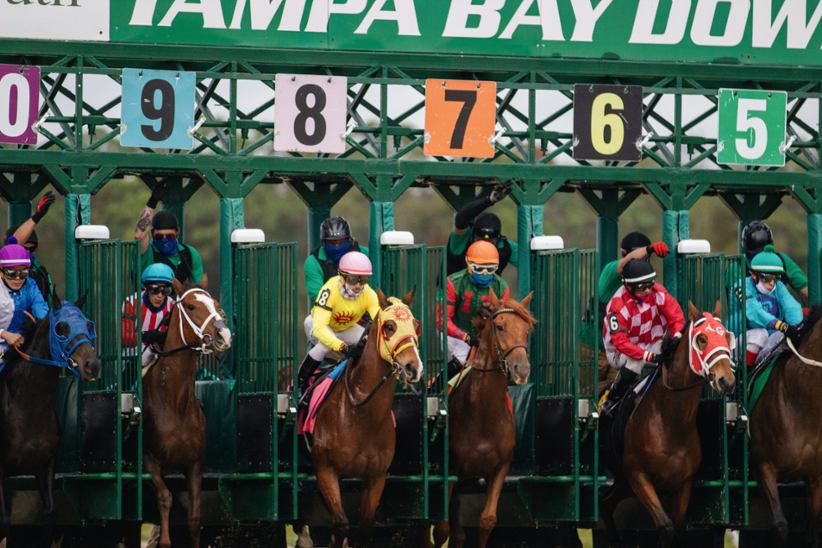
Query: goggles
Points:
[161, 237]
[156, 289]
[486, 234]
[767, 277]
[483, 268]
[354, 279]
[13, 274]
[642, 286]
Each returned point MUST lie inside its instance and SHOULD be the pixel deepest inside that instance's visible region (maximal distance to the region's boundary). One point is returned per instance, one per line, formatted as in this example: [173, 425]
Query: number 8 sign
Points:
[310, 113]
[19, 98]
[158, 108]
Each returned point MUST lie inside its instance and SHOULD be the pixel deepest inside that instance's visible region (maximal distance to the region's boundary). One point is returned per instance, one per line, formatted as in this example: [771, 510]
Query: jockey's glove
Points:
[669, 344]
[43, 206]
[501, 190]
[660, 248]
[470, 341]
[153, 336]
[653, 359]
[156, 194]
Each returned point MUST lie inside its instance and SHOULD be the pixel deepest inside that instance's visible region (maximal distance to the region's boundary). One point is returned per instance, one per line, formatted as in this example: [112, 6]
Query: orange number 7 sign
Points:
[459, 118]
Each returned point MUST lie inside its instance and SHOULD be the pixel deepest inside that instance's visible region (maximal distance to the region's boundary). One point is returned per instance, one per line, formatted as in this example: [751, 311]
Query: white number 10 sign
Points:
[309, 115]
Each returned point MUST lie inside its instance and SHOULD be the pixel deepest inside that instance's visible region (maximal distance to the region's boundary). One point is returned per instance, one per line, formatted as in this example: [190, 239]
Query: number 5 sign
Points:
[19, 97]
[310, 113]
[459, 118]
[158, 108]
[751, 127]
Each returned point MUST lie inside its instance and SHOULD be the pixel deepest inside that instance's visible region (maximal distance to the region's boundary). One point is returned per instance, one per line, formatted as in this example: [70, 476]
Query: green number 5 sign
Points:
[751, 127]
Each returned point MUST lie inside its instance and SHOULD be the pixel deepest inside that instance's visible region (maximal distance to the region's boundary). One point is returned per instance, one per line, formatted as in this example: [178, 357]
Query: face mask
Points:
[764, 290]
[335, 252]
[348, 293]
[482, 280]
[166, 246]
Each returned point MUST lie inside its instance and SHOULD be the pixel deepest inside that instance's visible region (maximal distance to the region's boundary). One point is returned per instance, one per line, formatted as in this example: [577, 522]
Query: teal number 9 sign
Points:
[158, 108]
[751, 127]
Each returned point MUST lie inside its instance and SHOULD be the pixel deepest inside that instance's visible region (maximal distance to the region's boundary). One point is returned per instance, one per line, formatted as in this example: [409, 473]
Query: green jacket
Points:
[464, 298]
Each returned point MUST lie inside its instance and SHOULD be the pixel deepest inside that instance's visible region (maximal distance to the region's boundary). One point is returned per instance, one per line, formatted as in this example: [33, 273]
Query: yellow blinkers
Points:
[405, 335]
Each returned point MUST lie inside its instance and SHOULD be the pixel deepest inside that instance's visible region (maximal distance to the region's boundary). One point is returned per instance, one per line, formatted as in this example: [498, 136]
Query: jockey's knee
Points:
[308, 325]
[634, 365]
[318, 352]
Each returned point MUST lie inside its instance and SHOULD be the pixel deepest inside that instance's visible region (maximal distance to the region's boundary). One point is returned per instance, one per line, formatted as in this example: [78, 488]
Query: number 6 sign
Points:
[158, 108]
[309, 115]
[19, 98]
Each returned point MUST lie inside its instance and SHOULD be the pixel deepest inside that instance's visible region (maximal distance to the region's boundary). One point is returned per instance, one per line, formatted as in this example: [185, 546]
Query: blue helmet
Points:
[157, 272]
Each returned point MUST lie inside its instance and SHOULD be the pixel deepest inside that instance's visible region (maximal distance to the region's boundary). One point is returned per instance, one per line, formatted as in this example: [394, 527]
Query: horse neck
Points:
[369, 371]
[31, 381]
[488, 387]
[801, 382]
[679, 406]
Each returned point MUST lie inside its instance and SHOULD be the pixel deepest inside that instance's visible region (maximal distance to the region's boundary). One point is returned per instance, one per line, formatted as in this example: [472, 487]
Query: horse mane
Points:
[813, 318]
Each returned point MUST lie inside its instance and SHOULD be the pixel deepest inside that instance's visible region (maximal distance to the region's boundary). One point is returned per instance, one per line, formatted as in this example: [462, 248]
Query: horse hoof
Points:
[781, 528]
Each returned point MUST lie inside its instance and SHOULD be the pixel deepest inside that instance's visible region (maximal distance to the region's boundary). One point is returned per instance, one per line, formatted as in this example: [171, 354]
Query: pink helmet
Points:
[355, 263]
[14, 255]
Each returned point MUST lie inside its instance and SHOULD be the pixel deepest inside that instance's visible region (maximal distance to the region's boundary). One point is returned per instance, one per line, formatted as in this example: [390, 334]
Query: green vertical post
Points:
[232, 216]
[607, 238]
[674, 228]
[381, 218]
[529, 224]
[814, 258]
[19, 212]
[316, 215]
[77, 212]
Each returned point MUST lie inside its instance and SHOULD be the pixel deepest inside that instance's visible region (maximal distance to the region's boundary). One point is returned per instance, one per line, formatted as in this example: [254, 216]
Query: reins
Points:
[63, 355]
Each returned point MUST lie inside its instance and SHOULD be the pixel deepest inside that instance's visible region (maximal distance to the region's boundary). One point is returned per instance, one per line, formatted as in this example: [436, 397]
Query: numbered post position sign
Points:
[310, 113]
[19, 103]
[459, 118]
[158, 108]
[751, 127]
[607, 122]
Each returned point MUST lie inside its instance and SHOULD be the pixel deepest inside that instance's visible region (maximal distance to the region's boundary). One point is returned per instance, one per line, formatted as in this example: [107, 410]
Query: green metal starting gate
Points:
[721, 492]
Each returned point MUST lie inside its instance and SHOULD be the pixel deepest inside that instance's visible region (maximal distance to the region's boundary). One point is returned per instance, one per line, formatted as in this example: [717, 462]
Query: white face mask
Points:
[763, 289]
[349, 293]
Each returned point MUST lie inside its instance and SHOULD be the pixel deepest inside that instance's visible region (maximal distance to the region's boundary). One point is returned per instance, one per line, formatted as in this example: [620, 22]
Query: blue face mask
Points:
[482, 280]
[166, 246]
[335, 252]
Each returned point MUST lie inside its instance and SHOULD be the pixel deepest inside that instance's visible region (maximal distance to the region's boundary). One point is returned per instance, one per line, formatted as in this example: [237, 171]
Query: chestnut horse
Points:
[29, 433]
[786, 435]
[354, 433]
[481, 429]
[174, 436]
[662, 449]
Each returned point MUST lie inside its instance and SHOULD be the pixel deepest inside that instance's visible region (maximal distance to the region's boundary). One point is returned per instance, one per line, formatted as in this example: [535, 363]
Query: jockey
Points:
[635, 245]
[340, 303]
[755, 237]
[157, 305]
[18, 294]
[637, 317]
[771, 311]
[322, 264]
[465, 293]
[27, 237]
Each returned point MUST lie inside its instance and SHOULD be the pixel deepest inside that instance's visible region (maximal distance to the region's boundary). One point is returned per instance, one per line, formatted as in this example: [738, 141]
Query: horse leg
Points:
[194, 477]
[441, 528]
[488, 518]
[767, 477]
[370, 499]
[164, 498]
[607, 507]
[5, 515]
[814, 512]
[679, 506]
[45, 480]
[457, 533]
[644, 490]
[328, 483]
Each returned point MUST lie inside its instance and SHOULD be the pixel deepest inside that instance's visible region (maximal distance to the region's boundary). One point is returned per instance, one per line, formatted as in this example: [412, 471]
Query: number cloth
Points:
[633, 325]
[318, 269]
[334, 313]
[463, 299]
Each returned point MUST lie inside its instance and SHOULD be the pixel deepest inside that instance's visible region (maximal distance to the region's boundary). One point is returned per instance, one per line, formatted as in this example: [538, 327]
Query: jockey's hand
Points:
[469, 340]
[653, 359]
[153, 336]
[345, 350]
[669, 345]
[485, 310]
[14, 339]
[660, 248]
[43, 206]
[779, 325]
[156, 194]
[501, 190]
[792, 332]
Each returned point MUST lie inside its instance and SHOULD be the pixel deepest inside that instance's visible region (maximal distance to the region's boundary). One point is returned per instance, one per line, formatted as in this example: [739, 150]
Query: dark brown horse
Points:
[29, 434]
[175, 431]
[786, 432]
[662, 449]
[354, 434]
[481, 429]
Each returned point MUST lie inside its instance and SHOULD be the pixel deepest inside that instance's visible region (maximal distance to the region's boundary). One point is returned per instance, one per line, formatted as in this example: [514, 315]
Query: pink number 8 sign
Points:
[19, 101]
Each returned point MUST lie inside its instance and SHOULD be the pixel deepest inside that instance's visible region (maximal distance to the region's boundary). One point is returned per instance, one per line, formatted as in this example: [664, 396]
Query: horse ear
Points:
[409, 297]
[527, 300]
[82, 300]
[55, 300]
[492, 297]
[693, 311]
[381, 298]
[718, 309]
[178, 286]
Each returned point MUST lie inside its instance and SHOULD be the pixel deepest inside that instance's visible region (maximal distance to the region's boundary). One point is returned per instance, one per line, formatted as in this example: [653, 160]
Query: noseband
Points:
[199, 330]
[502, 355]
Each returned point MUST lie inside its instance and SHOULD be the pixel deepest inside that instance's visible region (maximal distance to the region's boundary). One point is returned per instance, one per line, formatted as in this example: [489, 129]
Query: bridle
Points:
[62, 348]
[502, 355]
[203, 338]
[701, 361]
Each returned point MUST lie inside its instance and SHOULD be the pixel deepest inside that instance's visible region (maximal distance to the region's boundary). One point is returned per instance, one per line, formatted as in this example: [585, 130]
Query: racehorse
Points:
[481, 429]
[662, 449]
[29, 434]
[786, 437]
[174, 437]
[354, 434]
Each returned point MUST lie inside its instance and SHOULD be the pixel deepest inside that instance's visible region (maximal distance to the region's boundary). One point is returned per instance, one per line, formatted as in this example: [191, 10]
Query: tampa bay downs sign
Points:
[753, 32]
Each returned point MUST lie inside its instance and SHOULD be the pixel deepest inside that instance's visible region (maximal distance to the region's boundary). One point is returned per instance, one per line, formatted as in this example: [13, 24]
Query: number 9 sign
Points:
[158, 108]
[19, 98]
[607, 122]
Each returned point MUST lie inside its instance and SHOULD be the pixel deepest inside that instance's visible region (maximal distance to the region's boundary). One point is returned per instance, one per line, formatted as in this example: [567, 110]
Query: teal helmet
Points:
[157, 272]
[767, 262]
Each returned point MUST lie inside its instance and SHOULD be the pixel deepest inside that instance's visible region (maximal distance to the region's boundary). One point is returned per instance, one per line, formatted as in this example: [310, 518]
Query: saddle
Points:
[319, 386]
[614, 424]
[761, 373]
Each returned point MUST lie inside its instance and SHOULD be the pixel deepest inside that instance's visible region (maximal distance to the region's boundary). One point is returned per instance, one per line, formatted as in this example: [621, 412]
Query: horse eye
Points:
[389, 327]
[190, 306]
[499, 327]
[62, 329]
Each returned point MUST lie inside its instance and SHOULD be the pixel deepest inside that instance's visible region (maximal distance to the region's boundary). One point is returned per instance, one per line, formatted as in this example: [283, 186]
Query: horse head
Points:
[201, 320]
[72, 339]
[398, 333]
[710, 348]
[508, 324]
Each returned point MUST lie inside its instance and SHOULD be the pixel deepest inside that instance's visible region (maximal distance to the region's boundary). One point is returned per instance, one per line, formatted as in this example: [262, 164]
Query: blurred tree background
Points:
[281, 214]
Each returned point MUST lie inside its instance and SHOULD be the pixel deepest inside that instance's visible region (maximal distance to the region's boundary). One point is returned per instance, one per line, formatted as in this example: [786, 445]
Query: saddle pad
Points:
[759, 379]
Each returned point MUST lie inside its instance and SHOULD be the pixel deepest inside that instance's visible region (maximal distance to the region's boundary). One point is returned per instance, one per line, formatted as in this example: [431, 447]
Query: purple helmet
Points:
[14, 255]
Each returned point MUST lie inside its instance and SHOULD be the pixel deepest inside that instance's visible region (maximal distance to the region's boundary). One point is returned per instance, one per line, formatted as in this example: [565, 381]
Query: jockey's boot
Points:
[307, 368]
[623, 381]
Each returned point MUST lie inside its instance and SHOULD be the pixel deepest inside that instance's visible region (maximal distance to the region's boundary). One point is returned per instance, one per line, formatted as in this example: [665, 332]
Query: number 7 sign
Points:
[459, 118]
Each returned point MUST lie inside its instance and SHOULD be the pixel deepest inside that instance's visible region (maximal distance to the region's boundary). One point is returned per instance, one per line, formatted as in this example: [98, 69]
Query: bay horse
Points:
[174, 435]
[29, 434]
[481, 428]
[662, 449]
[354, 433]
[786, 433]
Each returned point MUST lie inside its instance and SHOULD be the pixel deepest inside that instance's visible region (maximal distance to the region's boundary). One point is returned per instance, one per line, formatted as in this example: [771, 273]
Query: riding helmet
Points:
[164, 220]
[634, 240]
[767, 261]
[356, 263]
[487, 226]
[638, 271]
[335, 228]
[13, 254]
[157, 272]
[755, 236]
[482, 252]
